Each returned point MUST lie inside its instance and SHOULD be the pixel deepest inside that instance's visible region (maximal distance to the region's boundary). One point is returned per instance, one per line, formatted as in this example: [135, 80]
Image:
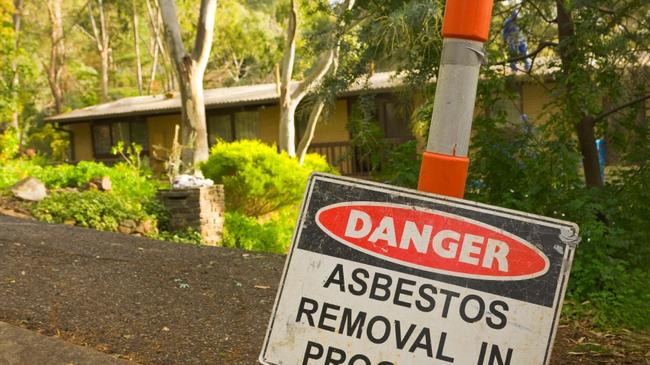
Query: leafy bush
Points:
[258, 180]
[402, 166]
[92, 209]
[9, 145]
[12, 171]
[536, 169]
[126, 181]
[250, 234]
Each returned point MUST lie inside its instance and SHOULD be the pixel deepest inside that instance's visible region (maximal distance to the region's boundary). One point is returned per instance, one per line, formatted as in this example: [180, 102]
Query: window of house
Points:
[108, 134]
[394, 119]
[233, 126]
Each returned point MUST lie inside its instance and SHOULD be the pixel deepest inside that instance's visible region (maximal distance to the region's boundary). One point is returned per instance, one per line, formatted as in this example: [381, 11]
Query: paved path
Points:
[146, 301]
[22, 347]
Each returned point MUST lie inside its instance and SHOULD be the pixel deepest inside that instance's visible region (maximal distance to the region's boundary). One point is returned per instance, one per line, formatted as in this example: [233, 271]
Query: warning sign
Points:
[381, 275]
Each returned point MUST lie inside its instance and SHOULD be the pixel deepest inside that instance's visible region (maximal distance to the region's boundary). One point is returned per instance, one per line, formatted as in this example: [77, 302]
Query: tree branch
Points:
[172, 29]
[94, 26]
[540, 48]
[204, 33]
[541, 13]
[617, 109]
[290, 51]
[327, 59]
[314, 77]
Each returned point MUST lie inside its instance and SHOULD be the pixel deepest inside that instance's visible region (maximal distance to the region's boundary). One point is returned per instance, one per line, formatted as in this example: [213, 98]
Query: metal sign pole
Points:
[465, 28]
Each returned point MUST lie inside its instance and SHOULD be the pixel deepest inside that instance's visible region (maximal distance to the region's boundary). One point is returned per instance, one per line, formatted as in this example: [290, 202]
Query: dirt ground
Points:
[155, 302]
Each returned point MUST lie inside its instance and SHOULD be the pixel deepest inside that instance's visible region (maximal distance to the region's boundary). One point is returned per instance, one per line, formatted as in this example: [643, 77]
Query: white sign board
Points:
[381, 275]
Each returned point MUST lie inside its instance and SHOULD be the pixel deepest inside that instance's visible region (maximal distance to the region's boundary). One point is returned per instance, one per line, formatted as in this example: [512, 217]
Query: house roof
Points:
[259, 94]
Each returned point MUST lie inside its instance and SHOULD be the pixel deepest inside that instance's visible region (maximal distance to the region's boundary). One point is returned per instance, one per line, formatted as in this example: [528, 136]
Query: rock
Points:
[126, 226]
[29, 188]
[102, 183]
[145, 227]
[190, 182]
[69, 222]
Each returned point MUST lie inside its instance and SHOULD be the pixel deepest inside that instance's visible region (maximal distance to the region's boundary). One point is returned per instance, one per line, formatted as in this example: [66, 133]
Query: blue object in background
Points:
[600, 147]
[516, 41]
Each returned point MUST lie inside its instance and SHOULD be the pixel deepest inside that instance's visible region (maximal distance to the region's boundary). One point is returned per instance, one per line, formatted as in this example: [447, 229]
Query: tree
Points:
[136, 46]
[290, 97]
[246, 46]
[7, 57]
[157, 47]
[615, 34]
[17, 18]
[55, 68]
[101, 36]
[190, 68]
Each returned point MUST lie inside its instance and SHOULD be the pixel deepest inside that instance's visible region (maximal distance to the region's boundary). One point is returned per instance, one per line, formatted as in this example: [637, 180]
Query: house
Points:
[248, 112]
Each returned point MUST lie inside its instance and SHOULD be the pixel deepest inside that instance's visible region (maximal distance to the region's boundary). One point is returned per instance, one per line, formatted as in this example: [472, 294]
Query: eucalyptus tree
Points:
[327, 59]
[190, 68]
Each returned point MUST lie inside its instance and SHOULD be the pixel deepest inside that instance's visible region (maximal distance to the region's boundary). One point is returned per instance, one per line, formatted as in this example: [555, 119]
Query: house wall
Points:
[82, 141]
[535, 97]
[269, 121]
[161, 137]
[161, 129]
[334, 128]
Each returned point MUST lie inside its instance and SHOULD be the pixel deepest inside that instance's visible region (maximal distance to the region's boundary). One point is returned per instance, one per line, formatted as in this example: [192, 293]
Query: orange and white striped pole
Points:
[465, 28]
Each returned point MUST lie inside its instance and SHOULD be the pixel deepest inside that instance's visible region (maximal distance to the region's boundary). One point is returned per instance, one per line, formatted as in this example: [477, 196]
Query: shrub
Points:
[11, 171]
[250, 234]
[126, 180]
[92, 209]
[9, 145]
[258, 180]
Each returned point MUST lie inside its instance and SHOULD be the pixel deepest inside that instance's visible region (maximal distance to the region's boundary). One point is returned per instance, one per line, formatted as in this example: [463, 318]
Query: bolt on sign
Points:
[381, 275]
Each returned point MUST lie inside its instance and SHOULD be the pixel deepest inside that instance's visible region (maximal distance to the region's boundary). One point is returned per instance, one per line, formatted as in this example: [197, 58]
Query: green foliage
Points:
[317, 163]
[402, 165]
[187, 235]
[9, 145]
[50, 142]
[249, 233]
[126, 180]
[257, 179]
[247, 43]
[537, 169]
[12, 171]
[403, 36]
[367, 135]
[92, 209]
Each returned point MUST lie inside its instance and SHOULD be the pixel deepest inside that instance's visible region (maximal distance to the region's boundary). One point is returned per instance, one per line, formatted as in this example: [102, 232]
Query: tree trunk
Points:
[194, 131]
[287, 136]
[154, 69]
[306, 139]
[104, 51]
[585, 125]
[290, 99]
[105, 65]
[57, 54]
[15, 81]
[287, 126]
[136, 45]
[587, 141]
[190, 69]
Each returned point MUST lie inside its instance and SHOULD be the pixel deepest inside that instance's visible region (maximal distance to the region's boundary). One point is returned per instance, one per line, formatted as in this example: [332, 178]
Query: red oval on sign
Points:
[432, 240]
